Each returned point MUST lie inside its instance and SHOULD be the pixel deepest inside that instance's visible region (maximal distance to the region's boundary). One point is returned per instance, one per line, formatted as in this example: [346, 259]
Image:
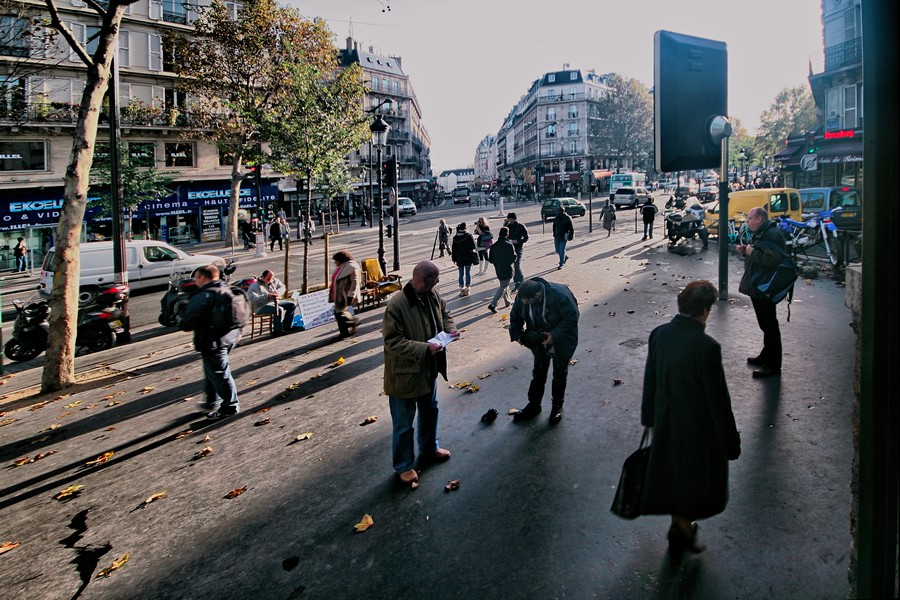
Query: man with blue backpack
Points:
[216, 314]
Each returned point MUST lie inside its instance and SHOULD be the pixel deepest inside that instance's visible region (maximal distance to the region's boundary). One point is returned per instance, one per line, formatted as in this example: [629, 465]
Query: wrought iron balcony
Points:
[843, 55]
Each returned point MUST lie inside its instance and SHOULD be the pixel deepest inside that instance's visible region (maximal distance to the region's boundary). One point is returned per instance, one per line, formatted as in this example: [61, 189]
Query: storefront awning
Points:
[843, 151]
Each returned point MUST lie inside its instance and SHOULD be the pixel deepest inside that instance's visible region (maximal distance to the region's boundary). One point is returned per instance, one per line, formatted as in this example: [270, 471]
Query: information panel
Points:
[211, 223]
[313, 309]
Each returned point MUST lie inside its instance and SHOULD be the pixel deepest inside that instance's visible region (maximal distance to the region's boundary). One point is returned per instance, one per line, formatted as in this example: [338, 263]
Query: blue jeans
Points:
[502, 291]
[559, 244]
[286, 310]
[403, 410]
[20, 263]
[221, 392]
[518, 277]
[465, 273]
[648, 229]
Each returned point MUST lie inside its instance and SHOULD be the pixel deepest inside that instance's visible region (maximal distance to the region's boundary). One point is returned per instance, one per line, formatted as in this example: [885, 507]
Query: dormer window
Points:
[551, 77]
[573, 76]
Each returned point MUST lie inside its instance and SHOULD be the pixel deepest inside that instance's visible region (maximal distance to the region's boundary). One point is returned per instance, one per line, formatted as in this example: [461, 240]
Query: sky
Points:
[469, 61]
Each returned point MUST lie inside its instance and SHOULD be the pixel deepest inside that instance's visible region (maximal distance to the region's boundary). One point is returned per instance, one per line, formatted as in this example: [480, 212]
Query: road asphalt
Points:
[530, 518]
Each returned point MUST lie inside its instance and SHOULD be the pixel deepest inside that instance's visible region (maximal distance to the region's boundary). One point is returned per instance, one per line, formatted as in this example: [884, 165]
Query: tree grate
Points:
[633, 343]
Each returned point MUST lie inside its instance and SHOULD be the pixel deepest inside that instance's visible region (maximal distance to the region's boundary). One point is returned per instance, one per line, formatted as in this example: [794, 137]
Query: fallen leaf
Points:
[7, 546]
[338, 362]
[113, 395]
[34, 407]
[262, 410]
[5, 422]
[235, 493]
[462, 384]
[414, 485]
[113, 403]
[176, 378]
[205, 439]
[73, 404]
[574, 361]
[617, 382]
[504, 317]
[23, 461]
[184, 433]
[72, 490]
[89, 407]
[154, 497]
[65, 414]
[51, 428]
[116, 564]
[512, 411]
[100, 459]
[316, 376]
[207, 450]
[612, 313]
[294, 385]
[472, 389]
[369, 420]
[364, 523]
[453, 484]
[111, 428]
[484, 375]
[303, 436]
[265, 421]
[146, 389]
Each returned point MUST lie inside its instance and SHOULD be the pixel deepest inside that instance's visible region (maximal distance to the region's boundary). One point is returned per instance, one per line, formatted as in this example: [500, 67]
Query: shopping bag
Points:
[630, 493]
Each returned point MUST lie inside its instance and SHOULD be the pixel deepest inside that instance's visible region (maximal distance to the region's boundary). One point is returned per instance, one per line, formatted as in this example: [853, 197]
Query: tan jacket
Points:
[346, 285]
[409, 322]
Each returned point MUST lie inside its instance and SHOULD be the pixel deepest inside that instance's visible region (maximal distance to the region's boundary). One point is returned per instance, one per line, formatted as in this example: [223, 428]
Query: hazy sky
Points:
[470, 61]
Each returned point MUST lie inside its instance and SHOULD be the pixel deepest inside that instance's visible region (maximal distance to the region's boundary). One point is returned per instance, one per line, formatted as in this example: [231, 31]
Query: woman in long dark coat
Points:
[687, 404]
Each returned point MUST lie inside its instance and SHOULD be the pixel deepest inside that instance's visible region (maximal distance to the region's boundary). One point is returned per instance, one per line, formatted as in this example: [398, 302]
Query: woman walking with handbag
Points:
[464, 254]
[484, 239]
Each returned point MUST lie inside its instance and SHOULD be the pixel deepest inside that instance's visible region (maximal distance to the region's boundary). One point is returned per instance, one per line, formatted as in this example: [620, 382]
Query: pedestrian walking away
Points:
[444, 232]
[212, 342]
[464, 254]
[648, 212]
[266, 297]
[563, 233]
[19, 253]
[518, 236]
[345, 292]
[686, 403]
[608, 217]
[309, 228]
[764, 252]
[484, 237]
[544, 318]
[502, 255]
[247, 234]
[275, 235]
[411, 365]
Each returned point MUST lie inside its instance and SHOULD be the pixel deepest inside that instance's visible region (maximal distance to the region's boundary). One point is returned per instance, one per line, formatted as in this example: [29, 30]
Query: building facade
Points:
[408, 141]
[831, 155]
[486, 162]
[546, 143]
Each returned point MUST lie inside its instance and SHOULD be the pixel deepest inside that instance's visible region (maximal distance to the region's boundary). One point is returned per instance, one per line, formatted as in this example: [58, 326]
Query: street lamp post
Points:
[379, 129]
[743, 157]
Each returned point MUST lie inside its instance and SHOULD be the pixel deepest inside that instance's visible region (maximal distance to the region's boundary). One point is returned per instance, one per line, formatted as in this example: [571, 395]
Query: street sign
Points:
[809, 162]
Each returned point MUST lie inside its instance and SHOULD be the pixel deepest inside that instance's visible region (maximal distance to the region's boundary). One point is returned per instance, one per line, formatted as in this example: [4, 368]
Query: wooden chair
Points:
[259, 323]
[375, 285]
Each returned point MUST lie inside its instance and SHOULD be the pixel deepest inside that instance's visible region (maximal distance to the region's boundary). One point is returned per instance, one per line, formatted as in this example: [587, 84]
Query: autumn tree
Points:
[792, 112]
[59, 370]
[625, 127]
[312, 134]
[234, 71]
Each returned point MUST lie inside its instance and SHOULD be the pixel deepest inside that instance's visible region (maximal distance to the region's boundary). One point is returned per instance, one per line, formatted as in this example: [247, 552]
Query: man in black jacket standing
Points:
[502, 255]
[544, 318]
[764, 252]
[518, 235]
[221, 391]
[563, 232]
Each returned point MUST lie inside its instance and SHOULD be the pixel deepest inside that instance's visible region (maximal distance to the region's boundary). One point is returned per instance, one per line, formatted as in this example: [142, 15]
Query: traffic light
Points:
[255, 173]
[391, 172]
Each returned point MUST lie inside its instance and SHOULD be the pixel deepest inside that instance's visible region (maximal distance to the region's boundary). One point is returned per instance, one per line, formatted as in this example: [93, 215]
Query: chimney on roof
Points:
[397, 58]
[371, 49]
[349, 43]
[565, 66]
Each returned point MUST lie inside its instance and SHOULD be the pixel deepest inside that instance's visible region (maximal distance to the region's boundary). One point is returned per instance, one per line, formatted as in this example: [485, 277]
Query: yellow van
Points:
[784, 202]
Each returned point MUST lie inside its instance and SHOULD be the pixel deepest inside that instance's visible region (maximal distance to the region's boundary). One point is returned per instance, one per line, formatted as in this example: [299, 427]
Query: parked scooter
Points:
[685, 224]
[176, 299]
[98, 324]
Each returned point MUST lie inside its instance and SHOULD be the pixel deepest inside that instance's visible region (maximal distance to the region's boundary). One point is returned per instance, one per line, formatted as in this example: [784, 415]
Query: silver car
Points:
[633, 197]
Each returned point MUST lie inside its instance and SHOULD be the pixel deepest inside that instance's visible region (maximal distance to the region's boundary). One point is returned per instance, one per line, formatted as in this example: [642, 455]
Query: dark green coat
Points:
[686, 401]
[559, 310]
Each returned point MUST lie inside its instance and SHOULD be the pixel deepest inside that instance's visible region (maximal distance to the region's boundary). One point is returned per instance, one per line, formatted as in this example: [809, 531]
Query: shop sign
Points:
[210, 224]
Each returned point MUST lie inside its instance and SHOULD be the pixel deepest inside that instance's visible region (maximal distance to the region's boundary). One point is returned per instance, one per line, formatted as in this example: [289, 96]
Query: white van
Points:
[149, 263]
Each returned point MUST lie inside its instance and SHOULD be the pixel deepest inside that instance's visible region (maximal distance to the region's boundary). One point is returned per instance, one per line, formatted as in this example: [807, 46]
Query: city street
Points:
[530, 518]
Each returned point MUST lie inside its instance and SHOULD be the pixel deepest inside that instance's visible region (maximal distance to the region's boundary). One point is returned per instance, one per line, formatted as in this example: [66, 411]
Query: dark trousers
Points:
[542, 360]
[767, 317]
[272, 244]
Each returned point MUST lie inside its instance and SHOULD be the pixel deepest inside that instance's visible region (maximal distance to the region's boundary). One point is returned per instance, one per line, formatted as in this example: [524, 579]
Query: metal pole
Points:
[115, 163]
[396, 216]
[381, 216]
[723, 222]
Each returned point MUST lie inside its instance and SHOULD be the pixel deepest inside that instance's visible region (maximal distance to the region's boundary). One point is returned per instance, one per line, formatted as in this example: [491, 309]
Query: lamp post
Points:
[743, 157]
[379, 129]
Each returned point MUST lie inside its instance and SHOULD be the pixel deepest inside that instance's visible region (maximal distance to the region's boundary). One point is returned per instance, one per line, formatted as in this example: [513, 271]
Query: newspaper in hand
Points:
[442, 339]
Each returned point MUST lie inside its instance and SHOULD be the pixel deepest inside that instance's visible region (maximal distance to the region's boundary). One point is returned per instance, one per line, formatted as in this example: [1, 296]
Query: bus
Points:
[626, 180]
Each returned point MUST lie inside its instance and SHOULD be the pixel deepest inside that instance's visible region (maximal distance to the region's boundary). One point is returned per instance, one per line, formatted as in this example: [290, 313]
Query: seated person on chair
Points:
[264, 296]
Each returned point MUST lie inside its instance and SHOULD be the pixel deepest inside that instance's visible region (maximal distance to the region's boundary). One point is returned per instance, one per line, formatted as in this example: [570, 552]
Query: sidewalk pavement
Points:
[531, 516]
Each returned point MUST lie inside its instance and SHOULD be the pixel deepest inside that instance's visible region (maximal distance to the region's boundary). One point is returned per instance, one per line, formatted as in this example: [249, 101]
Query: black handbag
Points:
[630, 493]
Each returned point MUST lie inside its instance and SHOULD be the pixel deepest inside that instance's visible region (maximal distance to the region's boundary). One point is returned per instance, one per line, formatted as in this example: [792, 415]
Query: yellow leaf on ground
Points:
[73, 404]
[65, 414]
[23, 461]
[205, 439]
[504, 317]
[7, 421]
[207, 450]
[235, 493]
[101, 459]
[574, 361]
[302, 436]
[154, 497]
[366, 522]
[7, 546]
[262, 410]
[146, 389]
[184, 433]
[369, 420]
[69, 491]
[116, 564]
[472, 389]
[462, 384]
[114, 403]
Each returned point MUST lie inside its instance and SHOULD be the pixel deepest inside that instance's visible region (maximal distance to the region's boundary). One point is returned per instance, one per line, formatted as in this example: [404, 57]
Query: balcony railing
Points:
[175, 16]
[843, 55]
[63, 113]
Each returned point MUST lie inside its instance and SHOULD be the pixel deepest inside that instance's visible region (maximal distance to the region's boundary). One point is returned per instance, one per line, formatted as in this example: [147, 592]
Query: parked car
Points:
[845, 202]
[708, 193]
[406, 206]
[633, 197]
[573, 208]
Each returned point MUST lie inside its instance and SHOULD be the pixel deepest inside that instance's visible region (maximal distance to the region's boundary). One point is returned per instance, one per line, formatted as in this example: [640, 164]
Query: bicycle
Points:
[739, 234]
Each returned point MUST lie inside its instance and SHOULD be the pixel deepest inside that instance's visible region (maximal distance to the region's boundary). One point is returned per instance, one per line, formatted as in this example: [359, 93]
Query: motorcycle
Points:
[802, 235]
[176, 298]
[685, 224]
[98, 324]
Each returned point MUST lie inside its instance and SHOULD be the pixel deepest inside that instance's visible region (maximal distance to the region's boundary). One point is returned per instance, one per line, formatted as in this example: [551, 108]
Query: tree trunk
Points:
[59, 369]
[306, 233]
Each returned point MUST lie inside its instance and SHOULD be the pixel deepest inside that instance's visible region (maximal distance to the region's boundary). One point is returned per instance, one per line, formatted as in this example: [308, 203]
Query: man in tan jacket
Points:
[411, 366]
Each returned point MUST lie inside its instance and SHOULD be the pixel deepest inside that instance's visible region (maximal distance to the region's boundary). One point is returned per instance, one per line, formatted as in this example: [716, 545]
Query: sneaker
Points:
[643, 238]
[492, 308]
[220, 414]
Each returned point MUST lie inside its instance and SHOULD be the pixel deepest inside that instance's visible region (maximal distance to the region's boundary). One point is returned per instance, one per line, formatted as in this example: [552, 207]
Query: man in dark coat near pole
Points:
[544, 318]
[502, 255]
[687, 404]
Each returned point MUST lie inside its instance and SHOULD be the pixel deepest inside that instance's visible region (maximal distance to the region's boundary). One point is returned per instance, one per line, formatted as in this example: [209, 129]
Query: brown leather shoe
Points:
[408, 477]
[440, 455]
